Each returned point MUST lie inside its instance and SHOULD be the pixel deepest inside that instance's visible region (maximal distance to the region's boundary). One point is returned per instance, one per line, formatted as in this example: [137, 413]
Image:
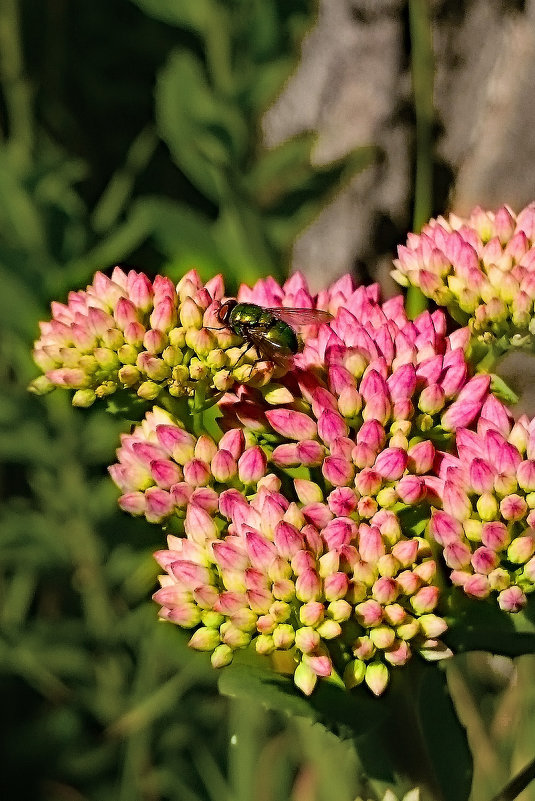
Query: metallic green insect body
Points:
[269, 330]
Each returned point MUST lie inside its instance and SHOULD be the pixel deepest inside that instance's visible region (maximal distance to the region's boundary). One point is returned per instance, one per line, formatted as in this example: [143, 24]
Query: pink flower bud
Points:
[378, 408]
[285, 455]
[425, 599]
[444, 528]
[133, 503]
[159, 505]
[291, 424]
[338, 471]
[229, 557]
[260, 550]
[372, 434]
[310, 453]
[331, 426]
[431, 399]
[477, 586]
[196, 473]
[308, 586]
[376, 677]
[305, 678]
[349, 402]
[252, 465]
[190, 575]
[513, 507]
[181, 494]
[259, 600]
[484, 560]
[421, 457]
[311, 613]
[186, 615]
[369, 613]
[336, 586]
[385, 590]
[368, 482]
[512, 600]
[457, 555]
[339, 532]
[125, 313]
[411, 489]
[307, 639]
[481, 476]
[371, 546]
[141, 292]
[223, 466]
[165, 473]
[342, 501]
[318, 514]
[456, 502]
[308, 491]
[391, 463]
[177, 442]
[525, 475]
[520, 550]
[288, 540]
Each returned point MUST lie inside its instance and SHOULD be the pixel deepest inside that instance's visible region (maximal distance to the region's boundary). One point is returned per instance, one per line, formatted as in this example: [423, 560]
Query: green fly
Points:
[269, 330]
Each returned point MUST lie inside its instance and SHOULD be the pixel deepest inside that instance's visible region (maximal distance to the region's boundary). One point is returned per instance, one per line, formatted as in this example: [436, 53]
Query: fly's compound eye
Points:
[224, 311]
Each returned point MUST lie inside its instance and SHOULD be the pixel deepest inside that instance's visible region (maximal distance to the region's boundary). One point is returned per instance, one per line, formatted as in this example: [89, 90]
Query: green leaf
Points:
[204, 132]
[19, 216]
[19, 308]
[502, 390]
[476, 625]
[296, 209]
[126, 406]
[329, 704]
[241, 237]
[194, 16]
[416, 302]
[281, 168]
[444, 737]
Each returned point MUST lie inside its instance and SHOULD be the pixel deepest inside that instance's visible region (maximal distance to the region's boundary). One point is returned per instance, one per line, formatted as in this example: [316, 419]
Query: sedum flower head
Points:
[483, 267]
[321, 568]
[487, 525]
[150, 337]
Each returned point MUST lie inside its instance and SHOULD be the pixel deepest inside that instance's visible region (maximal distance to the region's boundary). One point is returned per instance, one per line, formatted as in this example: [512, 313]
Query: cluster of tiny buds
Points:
[149, 337]
[251, 565]
[483, 265]
[487, 525]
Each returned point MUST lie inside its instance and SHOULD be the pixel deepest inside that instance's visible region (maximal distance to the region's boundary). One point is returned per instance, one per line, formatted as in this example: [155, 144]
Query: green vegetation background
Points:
[131, 134]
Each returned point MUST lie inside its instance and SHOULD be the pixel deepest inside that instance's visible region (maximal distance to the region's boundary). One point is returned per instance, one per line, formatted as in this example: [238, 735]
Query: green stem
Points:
[518, 784]
[422, 68]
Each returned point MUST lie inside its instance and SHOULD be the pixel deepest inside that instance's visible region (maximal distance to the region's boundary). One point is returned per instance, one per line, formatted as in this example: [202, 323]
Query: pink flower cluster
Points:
[487, 524]
[483, 266]
[149, 337]
[309, 526]
[291, 569]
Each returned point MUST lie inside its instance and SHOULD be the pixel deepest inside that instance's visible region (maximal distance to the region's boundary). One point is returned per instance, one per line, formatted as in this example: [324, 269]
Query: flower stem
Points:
[422, 69]
[518, 784]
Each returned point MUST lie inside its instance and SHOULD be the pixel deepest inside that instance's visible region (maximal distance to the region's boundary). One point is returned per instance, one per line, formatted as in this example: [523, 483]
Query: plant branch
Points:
[518, 784]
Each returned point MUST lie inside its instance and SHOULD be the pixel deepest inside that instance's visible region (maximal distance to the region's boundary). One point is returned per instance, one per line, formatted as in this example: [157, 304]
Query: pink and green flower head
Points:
[147, 337]
[482, 268]
[486, 528]
[294, 564]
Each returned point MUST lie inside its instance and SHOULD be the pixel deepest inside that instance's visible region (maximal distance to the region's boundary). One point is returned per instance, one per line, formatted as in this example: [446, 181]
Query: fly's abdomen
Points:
[282, 336]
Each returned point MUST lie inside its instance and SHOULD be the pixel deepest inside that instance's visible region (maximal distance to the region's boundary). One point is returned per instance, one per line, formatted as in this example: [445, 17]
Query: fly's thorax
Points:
[246, 314]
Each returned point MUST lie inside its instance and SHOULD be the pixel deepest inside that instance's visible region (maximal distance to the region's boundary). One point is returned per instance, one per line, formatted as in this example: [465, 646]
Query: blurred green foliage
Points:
[130, 132]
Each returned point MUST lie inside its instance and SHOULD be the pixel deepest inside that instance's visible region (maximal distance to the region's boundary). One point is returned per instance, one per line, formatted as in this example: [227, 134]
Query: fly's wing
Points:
[267, 349]
[298, 317]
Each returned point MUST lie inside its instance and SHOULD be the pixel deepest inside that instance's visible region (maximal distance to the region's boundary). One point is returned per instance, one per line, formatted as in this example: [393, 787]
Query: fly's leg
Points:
[242, 355]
